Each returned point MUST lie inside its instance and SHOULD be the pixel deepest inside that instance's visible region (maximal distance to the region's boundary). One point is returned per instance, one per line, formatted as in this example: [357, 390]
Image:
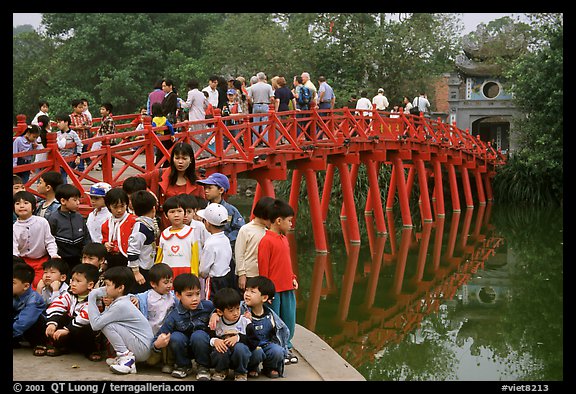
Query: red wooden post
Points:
[466, 186]
[315, 211]
[424, 195]
[327, 190]
[453, 187]
[295, 193]
[53, 154]
[438, 188]
[488, 186]
[349, 205]
[479, 187]
[391, 191]
[376, 200]
[149, 143]
[402, 193]
[21, 124]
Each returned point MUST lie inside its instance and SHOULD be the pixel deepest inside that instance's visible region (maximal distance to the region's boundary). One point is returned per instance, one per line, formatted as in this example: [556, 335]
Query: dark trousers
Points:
[35, 335]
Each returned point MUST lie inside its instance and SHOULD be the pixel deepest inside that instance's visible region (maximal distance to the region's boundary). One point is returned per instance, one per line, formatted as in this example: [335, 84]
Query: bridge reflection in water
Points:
[409, 273]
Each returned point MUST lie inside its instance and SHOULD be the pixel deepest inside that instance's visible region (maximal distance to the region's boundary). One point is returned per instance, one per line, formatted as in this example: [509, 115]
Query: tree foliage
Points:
[535, 172]
[117, 57]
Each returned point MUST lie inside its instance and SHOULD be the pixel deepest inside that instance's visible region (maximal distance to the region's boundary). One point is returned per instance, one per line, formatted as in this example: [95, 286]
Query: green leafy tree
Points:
[534, 173]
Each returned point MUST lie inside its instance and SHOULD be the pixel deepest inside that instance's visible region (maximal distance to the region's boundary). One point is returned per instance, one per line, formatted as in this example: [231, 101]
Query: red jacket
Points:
[125, 231]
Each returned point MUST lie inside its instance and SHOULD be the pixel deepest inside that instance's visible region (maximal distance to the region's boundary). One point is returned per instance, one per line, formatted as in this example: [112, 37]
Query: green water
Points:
[477, 297]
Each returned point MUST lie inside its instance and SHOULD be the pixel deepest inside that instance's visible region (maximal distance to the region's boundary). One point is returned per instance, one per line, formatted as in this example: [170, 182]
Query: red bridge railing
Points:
[246, 143]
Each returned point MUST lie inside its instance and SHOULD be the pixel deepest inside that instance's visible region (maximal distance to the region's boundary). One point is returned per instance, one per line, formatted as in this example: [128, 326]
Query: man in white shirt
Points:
[261, 96]
[380, 100]
[308, 83]
[422, 103]
[212, 91]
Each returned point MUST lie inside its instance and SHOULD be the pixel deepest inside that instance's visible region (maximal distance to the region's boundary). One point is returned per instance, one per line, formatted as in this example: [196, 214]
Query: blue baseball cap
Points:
[217, 179]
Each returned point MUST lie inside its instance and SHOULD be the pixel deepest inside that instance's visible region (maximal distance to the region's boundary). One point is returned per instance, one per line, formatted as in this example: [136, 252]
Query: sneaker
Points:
[181, 372]
[126, 364]
[203, 373]
[241, 377]
[218, 375]
[167, 368]
[112, 360]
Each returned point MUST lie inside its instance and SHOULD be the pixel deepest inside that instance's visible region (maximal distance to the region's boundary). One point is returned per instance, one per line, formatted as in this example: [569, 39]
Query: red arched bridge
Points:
[417, 148]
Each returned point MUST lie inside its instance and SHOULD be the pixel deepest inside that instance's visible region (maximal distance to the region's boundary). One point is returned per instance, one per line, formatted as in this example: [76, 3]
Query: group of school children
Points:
[209, 289]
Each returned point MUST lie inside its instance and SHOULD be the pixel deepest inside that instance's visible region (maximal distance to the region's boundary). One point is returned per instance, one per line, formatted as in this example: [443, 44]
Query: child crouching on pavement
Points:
[234, 338]
[125, 327]
[68, 326]
[155, 304]
[185, 329]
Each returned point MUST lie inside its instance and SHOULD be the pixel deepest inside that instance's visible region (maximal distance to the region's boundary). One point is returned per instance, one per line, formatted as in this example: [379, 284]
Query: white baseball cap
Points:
[215, 214]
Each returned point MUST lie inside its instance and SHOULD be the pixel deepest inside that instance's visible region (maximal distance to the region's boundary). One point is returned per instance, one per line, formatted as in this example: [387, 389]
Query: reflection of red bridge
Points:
[307, 142]
[439, 267]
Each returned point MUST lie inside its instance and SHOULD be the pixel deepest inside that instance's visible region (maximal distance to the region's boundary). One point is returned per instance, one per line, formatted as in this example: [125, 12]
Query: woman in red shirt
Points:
[179, 178]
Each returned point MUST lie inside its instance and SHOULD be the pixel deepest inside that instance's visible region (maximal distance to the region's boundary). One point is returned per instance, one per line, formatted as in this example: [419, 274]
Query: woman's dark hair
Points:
[185, 149]
[44, 123]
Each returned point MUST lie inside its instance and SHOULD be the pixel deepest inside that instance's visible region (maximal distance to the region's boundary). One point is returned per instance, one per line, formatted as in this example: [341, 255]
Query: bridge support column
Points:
[424, 195]
[349, 205]
[402, 193]
[391, 191]
[466, 186]
[453, 187]
[315, 211]
[438, 189]
[374, 195]
[479, 187]
[327, 190]
[295, 193]
[488, 186]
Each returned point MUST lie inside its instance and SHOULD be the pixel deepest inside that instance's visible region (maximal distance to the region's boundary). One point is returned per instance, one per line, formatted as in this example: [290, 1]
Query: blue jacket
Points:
[187, 321]
[26, 309]
[282, 330]
[236, 221]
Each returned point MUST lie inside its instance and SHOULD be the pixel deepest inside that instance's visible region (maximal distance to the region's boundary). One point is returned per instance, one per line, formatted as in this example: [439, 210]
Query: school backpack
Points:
[305, 96]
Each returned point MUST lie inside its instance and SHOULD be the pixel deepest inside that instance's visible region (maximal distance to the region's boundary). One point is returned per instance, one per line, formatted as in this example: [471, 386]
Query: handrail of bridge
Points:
[243, 139]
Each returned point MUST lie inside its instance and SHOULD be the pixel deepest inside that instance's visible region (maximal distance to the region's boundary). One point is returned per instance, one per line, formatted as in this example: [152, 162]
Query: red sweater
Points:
[274, 260]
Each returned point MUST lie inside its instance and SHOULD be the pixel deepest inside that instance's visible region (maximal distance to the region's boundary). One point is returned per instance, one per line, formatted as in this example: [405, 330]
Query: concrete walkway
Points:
[317, 362]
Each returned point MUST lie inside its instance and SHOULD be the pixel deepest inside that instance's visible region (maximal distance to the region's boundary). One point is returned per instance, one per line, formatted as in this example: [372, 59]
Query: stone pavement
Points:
[317, 362]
